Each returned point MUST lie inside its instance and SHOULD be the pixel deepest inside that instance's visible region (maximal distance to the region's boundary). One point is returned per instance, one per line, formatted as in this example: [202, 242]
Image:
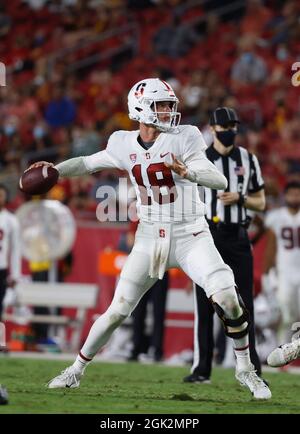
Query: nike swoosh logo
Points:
[197, 233]
[163, 155]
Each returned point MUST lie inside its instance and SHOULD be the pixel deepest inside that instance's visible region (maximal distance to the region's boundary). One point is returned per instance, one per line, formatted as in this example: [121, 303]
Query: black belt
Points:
[227, 227]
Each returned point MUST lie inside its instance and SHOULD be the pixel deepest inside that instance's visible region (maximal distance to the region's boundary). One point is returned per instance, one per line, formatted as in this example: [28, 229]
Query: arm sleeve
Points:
[101, 160]
[80, 166]
[204, 172]
[256, 180]
[200, 169]
[15, 250]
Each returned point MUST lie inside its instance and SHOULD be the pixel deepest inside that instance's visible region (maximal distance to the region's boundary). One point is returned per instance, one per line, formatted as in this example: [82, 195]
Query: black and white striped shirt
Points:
[241, 168]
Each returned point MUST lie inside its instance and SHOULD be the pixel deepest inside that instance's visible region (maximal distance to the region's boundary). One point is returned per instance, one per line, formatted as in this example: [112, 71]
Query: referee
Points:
[228, 218]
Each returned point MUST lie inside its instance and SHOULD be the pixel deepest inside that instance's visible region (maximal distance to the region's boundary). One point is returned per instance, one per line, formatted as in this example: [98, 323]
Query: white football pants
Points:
[158, 247]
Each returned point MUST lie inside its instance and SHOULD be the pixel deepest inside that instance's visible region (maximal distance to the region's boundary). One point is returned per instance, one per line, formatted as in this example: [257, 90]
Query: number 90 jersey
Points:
[286, 227]
[162, 195]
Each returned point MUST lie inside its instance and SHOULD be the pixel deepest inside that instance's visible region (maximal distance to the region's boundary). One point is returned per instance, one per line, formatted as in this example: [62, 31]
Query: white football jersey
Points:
[10, 249]
[286, 227]
[162, 195]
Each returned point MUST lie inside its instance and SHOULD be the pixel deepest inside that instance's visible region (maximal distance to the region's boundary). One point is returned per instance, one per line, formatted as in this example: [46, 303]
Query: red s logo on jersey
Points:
[162, 233]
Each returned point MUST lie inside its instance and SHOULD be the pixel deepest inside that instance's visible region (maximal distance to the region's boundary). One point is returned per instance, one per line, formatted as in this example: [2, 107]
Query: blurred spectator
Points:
[175, 39]
[42, 143]
[85, 141]
[61, 110]
[249, 68]
[5, 22]
[256, 17]
[194, 90]
[284, 27]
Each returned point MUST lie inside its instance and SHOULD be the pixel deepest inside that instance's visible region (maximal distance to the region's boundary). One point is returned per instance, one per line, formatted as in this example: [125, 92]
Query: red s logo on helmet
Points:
[139, 90]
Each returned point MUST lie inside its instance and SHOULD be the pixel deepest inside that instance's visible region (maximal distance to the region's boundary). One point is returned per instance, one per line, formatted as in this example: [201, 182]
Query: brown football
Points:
[38, 180]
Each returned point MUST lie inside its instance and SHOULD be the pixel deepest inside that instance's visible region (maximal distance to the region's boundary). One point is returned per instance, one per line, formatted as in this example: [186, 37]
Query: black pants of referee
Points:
[3, 286]
[235, 249]
[157, 295]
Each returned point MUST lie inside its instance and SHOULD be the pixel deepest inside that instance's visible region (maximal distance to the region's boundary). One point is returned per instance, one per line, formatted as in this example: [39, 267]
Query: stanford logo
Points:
[139, 90]
[162, 233]
[148, 156]
[133, 157]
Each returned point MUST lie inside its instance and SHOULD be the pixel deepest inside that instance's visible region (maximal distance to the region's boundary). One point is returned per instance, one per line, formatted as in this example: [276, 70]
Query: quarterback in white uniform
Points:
[283, 252]
[165, 162]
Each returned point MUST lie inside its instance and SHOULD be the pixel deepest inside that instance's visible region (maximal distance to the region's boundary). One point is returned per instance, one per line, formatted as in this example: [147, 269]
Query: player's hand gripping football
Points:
[177, 166]
[39, 164]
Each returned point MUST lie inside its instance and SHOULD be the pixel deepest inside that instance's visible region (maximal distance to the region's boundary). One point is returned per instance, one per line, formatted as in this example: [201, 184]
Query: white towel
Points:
[160, 251]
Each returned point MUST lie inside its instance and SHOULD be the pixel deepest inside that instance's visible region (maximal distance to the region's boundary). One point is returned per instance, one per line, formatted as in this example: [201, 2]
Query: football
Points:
[38, 180]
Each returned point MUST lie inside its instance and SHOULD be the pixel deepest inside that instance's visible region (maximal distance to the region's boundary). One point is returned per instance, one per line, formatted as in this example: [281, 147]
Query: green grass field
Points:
[135, 388]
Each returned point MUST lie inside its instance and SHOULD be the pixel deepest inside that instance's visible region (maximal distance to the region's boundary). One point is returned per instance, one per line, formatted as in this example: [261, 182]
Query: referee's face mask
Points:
[226, 135]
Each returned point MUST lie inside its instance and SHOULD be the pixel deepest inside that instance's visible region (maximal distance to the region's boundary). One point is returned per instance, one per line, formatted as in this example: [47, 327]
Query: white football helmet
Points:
[267, 311]
[142, 103]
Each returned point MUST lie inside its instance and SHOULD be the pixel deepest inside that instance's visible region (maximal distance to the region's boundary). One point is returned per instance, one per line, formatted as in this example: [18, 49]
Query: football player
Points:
[10, 249]
[165, 162]
[283, 252]
[284, 354]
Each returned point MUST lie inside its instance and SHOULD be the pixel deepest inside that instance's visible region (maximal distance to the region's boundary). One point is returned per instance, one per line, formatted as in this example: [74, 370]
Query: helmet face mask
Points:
[143, 100]
[166, 120]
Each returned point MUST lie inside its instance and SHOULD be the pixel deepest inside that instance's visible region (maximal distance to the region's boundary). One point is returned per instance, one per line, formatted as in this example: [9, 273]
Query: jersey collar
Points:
[215, 154]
